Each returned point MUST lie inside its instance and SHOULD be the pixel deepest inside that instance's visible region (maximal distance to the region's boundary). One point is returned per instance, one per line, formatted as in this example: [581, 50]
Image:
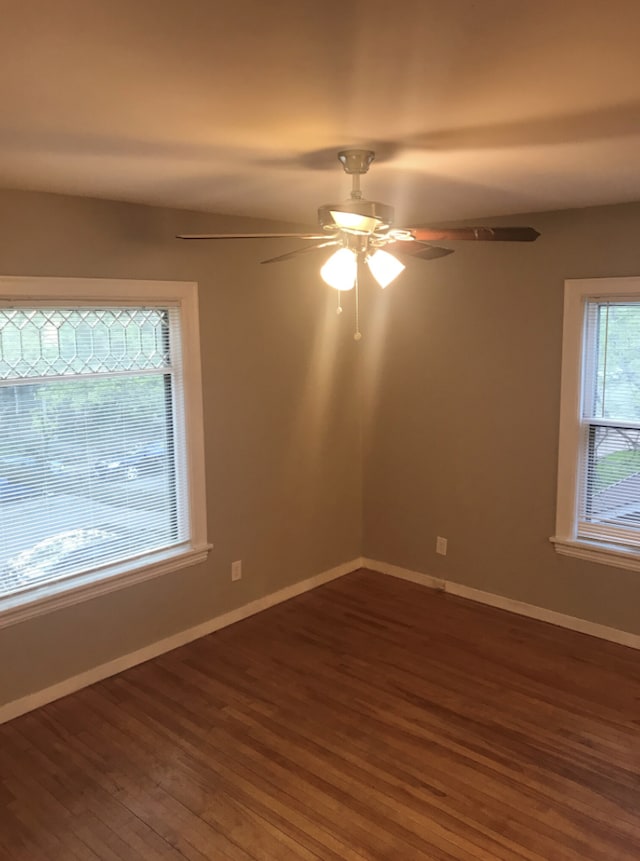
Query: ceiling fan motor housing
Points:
[369, 208]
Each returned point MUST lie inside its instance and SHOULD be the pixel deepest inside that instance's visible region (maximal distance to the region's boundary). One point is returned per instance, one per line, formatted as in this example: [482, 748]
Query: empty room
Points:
[320, 430]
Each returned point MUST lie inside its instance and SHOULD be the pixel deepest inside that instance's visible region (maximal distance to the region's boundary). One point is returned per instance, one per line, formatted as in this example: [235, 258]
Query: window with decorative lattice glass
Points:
[95, 482]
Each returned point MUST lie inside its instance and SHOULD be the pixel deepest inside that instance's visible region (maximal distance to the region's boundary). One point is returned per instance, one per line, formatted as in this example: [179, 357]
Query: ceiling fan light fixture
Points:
[384, 266]
[356, 215]
[355, 221]
[340, 270]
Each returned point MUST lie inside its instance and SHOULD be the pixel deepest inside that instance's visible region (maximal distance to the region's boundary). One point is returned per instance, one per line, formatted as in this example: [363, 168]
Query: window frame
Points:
[118, 292]
[577, 293]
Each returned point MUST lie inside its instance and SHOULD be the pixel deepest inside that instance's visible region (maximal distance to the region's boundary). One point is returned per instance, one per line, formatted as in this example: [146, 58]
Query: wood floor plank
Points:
[370, 720]
[340, 706]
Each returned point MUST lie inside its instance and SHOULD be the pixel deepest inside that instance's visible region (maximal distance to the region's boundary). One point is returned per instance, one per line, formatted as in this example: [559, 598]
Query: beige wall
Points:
[460, 378]
[462, 399]
[282, 428]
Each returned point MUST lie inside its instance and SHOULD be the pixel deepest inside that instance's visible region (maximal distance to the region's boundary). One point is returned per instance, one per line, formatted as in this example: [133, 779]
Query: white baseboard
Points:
[603, 632]
[75, 683]
[111, 668]
[404, 574]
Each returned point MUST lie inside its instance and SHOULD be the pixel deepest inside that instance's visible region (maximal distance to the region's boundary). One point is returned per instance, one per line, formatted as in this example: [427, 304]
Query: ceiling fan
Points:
[362, 230]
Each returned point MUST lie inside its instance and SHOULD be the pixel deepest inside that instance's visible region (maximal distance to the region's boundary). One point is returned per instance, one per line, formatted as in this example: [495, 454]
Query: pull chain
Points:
[357, 334]
[339, 308]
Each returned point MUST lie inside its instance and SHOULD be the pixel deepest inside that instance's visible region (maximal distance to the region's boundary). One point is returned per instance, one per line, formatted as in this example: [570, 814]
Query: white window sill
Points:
[65, 593]
[594, 551]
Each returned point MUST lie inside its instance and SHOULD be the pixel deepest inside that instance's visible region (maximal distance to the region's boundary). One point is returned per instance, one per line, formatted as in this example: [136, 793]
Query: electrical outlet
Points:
[236, 570]
[441, 546]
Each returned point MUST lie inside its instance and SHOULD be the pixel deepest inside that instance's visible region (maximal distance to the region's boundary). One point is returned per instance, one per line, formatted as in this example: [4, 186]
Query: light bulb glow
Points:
[340, 270]
[355, 222]
[384, 266]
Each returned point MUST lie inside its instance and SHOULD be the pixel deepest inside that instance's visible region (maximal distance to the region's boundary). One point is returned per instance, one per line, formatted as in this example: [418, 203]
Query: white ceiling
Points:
[239, 106]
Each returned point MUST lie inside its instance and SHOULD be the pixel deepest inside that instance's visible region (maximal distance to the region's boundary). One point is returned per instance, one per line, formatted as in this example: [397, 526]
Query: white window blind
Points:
[608, 498]
[92, 440]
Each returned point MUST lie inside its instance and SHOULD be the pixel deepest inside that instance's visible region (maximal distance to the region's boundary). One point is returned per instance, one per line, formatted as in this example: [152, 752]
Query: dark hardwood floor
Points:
[370, 719]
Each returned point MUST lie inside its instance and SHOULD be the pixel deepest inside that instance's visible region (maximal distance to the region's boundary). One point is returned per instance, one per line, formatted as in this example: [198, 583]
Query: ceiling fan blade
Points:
[298, 251]
[251, 236]
[482, 234]
[419, 250]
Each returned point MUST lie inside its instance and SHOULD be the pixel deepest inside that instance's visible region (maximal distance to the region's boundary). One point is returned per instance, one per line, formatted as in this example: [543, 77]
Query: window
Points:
[598, 514]
[101, 443]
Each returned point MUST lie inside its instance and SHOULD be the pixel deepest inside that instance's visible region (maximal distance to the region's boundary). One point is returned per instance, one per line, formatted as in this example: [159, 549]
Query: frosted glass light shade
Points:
[384, 266]
[340, 270]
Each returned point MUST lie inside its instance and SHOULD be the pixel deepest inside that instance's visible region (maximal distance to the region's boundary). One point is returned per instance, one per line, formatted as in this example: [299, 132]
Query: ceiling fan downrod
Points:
[356, 162]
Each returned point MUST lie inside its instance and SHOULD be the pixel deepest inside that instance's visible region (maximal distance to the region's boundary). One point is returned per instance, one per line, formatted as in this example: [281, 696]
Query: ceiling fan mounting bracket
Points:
[356, 160]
